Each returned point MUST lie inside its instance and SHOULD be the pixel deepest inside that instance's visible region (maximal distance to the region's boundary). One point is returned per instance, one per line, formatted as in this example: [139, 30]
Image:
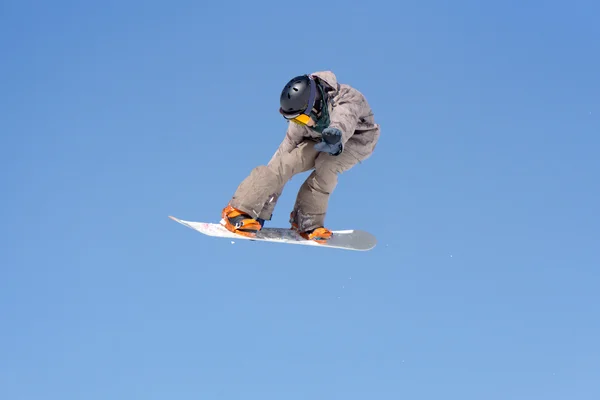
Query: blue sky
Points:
[483, 193]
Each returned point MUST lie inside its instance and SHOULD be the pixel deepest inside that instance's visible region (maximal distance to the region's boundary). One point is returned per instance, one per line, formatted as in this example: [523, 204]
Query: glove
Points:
[331, 142]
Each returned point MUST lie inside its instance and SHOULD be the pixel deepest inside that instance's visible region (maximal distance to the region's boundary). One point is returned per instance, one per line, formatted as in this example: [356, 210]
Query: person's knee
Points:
[326, 175]
[295, 162]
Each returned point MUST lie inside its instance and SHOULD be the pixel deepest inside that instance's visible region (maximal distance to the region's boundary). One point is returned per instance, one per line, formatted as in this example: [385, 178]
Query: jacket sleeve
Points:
[345, 115]
[292, 138]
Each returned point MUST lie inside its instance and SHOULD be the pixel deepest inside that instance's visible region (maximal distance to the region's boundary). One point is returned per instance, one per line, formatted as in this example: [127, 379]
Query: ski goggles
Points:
[303, 117]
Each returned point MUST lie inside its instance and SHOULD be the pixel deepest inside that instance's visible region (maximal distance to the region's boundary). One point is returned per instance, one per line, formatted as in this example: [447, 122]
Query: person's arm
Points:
[293, 137]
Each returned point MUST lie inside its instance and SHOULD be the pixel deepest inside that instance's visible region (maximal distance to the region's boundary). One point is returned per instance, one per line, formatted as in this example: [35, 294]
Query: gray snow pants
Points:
[257, 195]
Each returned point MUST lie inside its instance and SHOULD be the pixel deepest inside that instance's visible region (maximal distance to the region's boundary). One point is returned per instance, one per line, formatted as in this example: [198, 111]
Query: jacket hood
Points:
[329, 78]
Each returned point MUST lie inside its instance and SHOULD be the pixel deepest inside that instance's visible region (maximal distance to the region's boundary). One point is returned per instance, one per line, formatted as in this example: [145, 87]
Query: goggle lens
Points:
[301, 119]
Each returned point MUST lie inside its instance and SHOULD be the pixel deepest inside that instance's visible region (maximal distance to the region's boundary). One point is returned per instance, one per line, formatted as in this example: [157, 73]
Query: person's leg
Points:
[313, 196]
[257, 195]
[302, 158]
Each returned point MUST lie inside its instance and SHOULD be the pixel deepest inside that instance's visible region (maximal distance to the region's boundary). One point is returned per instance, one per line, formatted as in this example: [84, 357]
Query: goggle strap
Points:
[313, 95]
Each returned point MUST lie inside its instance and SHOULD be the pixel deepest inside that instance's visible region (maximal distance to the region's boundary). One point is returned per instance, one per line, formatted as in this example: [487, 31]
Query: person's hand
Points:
[331, 141]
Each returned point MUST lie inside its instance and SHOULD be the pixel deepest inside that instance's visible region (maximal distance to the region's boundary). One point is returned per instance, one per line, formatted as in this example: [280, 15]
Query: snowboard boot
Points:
[239, 222]
[320, 235]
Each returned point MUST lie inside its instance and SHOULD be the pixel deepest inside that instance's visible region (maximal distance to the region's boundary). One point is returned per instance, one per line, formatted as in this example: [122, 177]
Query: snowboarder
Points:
[331, 129]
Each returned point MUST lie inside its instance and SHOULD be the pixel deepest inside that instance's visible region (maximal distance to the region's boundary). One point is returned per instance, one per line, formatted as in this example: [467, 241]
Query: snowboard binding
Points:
[320, 235]
[239, 222]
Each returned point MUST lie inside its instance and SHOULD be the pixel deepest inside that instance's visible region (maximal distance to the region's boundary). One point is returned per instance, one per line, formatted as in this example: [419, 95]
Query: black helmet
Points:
[299, 96]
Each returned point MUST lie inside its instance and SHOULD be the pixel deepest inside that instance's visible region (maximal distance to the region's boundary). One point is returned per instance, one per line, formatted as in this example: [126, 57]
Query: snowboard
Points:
[351, 239]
